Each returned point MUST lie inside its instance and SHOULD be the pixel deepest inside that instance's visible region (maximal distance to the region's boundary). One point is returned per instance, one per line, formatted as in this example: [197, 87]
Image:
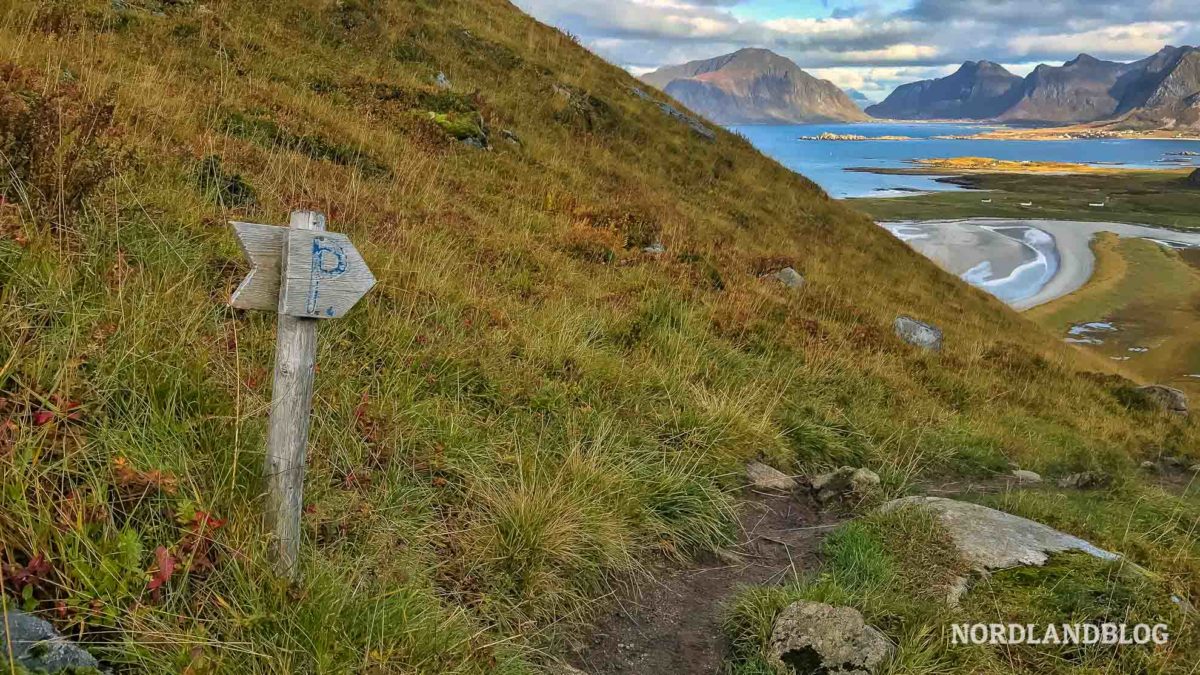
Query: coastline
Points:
[1072, 240]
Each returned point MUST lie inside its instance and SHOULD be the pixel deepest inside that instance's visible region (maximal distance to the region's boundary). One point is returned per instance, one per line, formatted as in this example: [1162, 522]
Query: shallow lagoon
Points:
[826, 161]
[1025, 263]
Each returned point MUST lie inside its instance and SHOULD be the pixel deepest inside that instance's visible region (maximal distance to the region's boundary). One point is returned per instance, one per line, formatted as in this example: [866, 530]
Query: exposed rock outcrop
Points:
[788, 277]
[1168, 398]
[988, 539]
[1194, 179]
[811, 637]
[918, 333]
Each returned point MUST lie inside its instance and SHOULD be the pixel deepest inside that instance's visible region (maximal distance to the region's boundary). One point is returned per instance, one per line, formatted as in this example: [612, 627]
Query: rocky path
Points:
[674, 626]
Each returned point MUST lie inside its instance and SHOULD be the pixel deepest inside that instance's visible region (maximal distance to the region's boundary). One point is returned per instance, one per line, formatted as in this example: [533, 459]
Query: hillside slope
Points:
[528, 410]
[755, 86]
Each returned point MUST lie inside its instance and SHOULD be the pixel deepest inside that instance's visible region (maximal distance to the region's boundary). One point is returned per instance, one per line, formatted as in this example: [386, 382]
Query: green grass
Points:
[526, 412]
[1141, 197]
[896, 568]
[1148, 292]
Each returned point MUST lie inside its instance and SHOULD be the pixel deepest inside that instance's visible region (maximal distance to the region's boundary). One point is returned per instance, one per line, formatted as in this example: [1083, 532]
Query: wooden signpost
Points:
[305, 274]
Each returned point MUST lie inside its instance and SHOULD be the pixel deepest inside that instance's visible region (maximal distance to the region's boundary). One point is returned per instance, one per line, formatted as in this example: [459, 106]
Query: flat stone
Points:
[565, 669]
[1026, 476]
[1168, 398]
[845, 482]
[38, 647]
[990, 540]
[1149, 466]
[763, 477]
[655, 248]
[918, 333]
[811, 637]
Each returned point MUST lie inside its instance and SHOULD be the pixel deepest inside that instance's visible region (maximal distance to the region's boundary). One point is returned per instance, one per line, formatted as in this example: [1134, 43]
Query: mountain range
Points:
[755, 86]
[1160, 91]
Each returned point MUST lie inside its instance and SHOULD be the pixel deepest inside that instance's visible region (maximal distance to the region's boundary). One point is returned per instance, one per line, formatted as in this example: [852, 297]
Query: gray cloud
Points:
[858, 36]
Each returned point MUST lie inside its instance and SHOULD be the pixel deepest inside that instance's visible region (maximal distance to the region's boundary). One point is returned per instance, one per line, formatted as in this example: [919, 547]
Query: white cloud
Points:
[1138, 38]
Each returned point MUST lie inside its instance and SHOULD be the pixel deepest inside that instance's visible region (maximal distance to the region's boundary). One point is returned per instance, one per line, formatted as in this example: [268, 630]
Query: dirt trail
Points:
[673, 627]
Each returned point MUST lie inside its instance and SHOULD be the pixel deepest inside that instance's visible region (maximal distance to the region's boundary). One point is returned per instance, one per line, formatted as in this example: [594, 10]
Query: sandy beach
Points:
[963, 247]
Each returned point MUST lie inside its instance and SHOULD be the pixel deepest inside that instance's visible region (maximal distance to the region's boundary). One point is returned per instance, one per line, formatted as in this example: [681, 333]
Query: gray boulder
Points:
[990, 540]
[34, 644]
[788, 277]
[1026, 476]
[763, 477]
[810, 637]
[1168, 398]
[846, 482]
[442, 81]
[918, 333]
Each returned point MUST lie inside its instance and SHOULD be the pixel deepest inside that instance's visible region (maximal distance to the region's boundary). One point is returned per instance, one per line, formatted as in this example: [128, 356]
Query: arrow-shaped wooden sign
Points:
[303, 273]
[325, 276]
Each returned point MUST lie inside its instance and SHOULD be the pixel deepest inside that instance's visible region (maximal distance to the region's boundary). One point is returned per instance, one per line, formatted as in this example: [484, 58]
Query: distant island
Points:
[755, 86]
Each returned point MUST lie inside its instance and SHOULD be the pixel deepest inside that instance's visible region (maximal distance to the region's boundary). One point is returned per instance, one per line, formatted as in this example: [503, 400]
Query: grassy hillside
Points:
[1162, 198]
[527, 410]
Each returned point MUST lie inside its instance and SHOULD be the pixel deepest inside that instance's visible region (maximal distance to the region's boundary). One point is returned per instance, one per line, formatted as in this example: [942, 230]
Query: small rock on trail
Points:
[846, 483]
[673, 627]
[811, 637]
[1030, 477]
[763, 477]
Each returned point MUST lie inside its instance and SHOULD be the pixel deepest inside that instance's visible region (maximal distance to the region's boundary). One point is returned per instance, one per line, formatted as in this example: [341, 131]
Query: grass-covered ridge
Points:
[526, 410]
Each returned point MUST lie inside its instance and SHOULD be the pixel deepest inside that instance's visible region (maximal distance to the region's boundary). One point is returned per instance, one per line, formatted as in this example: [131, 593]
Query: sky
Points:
[873, 45]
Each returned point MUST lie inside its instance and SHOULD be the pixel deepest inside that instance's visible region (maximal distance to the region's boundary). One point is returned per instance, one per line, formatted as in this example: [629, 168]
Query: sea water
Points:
[825, 162]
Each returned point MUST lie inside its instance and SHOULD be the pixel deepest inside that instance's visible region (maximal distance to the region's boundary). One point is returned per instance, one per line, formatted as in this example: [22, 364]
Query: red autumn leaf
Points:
[42, 417]
[32, 574]
[204, 519]
[165, 567]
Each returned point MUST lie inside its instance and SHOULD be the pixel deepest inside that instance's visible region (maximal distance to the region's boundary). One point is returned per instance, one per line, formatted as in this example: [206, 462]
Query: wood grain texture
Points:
[325, 275]
[287, 435]
[263, 248]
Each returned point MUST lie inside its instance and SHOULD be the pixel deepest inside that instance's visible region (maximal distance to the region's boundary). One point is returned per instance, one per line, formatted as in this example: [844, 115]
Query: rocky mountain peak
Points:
[754, 86]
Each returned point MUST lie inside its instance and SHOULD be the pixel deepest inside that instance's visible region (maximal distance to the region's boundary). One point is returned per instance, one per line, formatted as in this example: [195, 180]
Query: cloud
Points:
[1117, 41]
[873, 41]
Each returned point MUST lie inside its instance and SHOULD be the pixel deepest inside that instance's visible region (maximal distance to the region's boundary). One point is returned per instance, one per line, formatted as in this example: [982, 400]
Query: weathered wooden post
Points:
[305, 274]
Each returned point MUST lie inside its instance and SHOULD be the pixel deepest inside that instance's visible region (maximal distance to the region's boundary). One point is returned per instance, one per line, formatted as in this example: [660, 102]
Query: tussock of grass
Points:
[526, 411]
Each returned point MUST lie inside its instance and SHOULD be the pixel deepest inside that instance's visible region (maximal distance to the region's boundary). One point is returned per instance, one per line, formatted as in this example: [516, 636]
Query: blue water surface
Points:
[826, 161]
